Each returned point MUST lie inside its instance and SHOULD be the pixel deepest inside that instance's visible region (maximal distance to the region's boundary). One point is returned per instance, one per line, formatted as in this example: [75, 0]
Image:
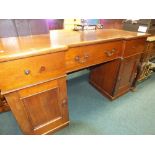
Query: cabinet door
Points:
[127, 74]
[41, 108]
[104, 77]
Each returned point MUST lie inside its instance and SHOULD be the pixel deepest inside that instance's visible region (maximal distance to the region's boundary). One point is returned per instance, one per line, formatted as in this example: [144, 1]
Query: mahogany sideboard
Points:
[34, 68]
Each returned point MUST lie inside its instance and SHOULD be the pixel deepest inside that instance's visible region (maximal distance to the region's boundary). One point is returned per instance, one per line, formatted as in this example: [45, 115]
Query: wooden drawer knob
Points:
[42, 69]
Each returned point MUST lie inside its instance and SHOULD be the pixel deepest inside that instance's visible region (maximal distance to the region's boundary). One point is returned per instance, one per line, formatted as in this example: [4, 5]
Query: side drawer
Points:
[152, 47]
[85, 56]
[134, 46]
[23, 72]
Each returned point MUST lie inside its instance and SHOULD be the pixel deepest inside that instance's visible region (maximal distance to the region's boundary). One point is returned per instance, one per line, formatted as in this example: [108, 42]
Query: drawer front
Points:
[85, 56]
[23, 72]
[152, 47]
[135, 46]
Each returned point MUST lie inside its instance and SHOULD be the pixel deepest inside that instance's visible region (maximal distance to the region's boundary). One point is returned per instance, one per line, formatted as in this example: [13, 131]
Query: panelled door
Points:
[40, 108]
[127, 73]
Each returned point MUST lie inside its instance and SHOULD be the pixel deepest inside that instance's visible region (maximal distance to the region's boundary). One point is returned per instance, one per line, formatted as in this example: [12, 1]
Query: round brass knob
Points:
[27, 71]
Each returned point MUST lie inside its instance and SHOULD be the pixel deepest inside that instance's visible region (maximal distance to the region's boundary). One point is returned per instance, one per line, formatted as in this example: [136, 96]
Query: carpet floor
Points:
[93, 114]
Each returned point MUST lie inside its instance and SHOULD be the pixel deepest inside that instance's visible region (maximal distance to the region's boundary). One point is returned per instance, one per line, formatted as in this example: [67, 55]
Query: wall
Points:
[55, 24]
[112, 23]
[22, 27]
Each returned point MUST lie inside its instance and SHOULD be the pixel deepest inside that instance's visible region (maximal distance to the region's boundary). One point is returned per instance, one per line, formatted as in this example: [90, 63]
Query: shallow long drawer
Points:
[85, 56]
[28, 71]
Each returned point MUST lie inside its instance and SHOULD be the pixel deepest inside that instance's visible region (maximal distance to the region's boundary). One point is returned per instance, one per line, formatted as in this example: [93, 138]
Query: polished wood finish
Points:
[33, 71]
[21, 47]
[127, 74]
[30, 71]
[115, 78]
[41, 108]
[104, 77]
[122, 72]
[85, 56]
[134, 46]
[13, 48]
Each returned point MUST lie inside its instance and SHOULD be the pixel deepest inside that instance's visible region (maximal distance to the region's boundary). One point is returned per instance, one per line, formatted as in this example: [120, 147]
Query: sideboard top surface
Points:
[58, 40]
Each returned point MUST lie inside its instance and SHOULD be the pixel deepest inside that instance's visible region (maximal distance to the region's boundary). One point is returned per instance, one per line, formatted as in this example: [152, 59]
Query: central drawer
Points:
[85, 56]
[28, 71]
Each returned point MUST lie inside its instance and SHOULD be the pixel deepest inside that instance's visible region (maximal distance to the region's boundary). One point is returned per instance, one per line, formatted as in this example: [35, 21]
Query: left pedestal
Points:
[35, 89]
[42, 108]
